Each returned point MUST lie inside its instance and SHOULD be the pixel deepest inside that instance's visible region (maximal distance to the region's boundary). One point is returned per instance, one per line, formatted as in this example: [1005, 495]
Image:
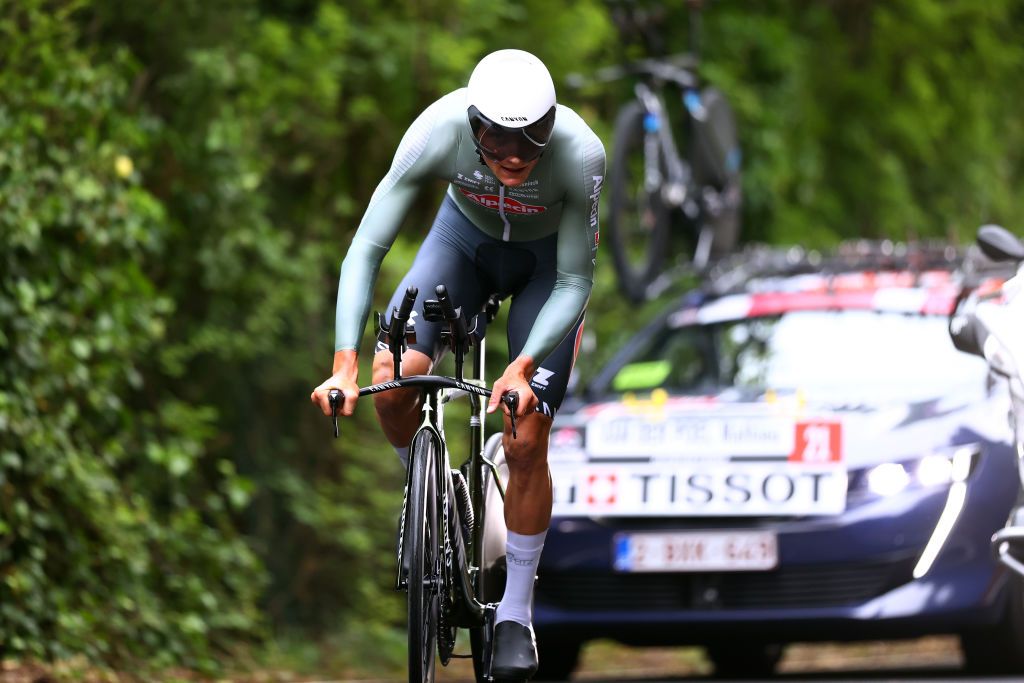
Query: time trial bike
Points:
[452, 532]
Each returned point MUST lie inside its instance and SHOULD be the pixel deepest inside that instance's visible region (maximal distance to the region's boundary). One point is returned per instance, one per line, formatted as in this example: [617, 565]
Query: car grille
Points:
[789, 587]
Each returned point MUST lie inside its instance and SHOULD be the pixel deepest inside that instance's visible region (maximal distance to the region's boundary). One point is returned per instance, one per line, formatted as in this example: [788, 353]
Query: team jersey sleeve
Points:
[578, 233]
[417, 160]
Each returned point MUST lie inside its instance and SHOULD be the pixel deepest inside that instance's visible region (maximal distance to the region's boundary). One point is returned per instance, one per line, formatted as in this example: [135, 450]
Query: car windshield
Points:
[848, 355]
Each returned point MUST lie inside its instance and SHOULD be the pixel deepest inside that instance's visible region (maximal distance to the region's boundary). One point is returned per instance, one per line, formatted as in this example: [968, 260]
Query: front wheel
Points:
[424, 560]
[639, 222]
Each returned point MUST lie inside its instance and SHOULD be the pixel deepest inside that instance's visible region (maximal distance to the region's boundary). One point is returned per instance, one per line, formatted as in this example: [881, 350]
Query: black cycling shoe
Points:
[515, 652]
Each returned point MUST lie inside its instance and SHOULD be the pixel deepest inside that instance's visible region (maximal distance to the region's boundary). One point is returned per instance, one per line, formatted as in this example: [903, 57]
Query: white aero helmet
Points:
[510, 101]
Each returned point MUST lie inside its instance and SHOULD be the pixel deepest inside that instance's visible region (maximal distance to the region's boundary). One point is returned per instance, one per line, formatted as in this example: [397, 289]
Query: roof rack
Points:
[758, 261]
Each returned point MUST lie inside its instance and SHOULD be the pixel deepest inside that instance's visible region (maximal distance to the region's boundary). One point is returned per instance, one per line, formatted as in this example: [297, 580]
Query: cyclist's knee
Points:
[413, 363]
[383, 367]
[530, 447]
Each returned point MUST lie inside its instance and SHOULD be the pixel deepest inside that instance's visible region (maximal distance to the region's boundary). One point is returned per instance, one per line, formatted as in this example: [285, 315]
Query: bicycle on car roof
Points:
[674, 176]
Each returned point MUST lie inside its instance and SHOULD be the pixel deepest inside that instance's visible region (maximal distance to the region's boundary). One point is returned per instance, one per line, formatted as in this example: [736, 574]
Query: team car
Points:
[793, 451]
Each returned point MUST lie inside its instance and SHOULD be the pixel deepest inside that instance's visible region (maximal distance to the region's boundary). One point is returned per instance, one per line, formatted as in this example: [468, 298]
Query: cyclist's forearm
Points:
[346, 362]
[524, 365]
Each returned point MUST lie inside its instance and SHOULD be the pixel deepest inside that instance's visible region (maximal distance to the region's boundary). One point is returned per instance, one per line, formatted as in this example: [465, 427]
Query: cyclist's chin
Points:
[511, 174]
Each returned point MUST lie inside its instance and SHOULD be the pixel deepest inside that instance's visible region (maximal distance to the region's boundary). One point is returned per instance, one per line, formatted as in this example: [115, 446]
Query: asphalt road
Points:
[935, 659]
[934, 676]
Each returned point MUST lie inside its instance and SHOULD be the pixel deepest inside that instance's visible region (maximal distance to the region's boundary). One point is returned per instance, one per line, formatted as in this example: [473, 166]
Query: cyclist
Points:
[519, 218]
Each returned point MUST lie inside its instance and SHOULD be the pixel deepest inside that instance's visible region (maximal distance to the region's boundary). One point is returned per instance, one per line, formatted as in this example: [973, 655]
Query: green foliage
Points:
[117, 537]
[873, 119]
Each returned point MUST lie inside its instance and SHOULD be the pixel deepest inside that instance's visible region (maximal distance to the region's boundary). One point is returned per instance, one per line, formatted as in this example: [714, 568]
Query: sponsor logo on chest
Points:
[509, 205]
[467, 181]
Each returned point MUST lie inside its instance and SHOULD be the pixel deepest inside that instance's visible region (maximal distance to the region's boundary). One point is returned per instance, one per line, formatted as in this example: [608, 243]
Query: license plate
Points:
[695, 551]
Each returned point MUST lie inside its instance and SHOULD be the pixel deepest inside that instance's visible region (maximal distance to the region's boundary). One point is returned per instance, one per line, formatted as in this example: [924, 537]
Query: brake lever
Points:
[335, 398]
[511, 399]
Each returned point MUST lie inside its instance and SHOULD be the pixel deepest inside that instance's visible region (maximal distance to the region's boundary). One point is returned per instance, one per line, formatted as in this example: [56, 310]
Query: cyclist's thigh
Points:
[413, 363]
[551, 379]
[445, 257]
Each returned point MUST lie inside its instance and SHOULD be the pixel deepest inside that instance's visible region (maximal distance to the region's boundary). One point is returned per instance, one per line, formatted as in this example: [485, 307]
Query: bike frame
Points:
[659, 142]
[658, 137]
[459, 573]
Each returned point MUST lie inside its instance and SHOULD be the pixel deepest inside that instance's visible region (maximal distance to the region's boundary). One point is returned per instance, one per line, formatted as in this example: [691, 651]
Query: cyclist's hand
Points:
[515, 378]
[348, 389]
[344, 380]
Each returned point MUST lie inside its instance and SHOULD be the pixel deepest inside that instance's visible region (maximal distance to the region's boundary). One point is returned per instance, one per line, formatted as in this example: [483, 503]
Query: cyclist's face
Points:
[511, 171]
[510, 153]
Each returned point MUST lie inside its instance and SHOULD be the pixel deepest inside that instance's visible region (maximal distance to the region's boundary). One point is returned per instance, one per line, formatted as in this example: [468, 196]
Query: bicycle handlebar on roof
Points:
[679, 69]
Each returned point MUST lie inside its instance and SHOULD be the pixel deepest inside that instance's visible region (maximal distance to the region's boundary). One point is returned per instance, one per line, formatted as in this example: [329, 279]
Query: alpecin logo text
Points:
[491, 201]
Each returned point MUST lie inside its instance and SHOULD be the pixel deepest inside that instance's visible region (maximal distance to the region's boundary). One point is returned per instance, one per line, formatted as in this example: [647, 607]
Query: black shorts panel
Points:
[473, 266]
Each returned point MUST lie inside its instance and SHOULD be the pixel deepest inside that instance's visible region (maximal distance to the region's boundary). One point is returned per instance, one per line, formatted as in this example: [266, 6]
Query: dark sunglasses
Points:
[498, 142]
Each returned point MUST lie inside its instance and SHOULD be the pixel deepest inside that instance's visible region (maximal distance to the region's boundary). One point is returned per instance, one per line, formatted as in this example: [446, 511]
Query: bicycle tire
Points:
[639, 221]
[715, 157]
[424, 559]
[489, 583]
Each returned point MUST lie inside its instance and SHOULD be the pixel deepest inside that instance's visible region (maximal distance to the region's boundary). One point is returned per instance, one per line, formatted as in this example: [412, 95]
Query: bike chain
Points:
[445, 637]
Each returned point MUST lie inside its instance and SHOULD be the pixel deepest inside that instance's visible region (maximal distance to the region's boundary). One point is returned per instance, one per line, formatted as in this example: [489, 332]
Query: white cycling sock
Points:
[403, 455]
[522, 556]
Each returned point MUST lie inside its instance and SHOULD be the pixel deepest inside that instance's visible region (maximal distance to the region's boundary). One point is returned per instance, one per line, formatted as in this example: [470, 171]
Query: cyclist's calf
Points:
[398, 410]
[528, 493]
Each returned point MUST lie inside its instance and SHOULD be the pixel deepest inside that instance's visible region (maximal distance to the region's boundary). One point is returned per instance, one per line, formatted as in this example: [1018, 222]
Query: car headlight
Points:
[888, 478]
[936, 469]
[962, 461]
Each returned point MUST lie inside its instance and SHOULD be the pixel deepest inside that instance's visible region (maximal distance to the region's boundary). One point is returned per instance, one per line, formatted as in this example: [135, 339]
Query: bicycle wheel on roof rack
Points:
[715, 158]
[424, 559]
[639, 221]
